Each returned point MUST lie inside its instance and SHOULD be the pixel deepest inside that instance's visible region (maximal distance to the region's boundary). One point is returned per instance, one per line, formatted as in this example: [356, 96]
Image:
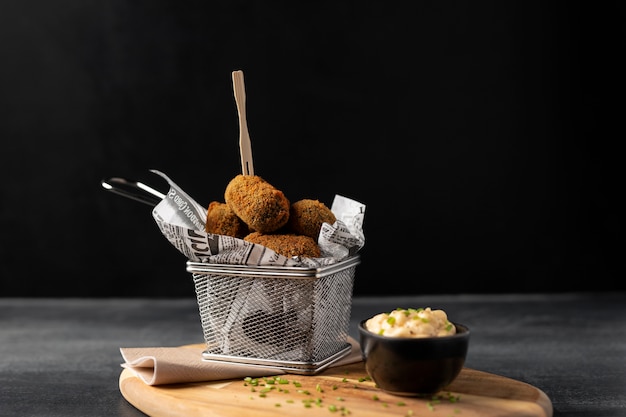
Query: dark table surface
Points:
[60, 357]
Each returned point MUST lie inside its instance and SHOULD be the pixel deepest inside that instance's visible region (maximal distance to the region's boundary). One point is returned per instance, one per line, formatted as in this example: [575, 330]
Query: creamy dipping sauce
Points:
[411, 322]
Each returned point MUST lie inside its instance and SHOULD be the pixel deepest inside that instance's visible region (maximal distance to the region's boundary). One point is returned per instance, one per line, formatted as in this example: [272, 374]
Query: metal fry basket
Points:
[294, 319]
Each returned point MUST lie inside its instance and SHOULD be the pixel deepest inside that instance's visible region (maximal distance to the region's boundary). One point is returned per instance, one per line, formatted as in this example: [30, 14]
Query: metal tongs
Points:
[143, 193]
[134, 190]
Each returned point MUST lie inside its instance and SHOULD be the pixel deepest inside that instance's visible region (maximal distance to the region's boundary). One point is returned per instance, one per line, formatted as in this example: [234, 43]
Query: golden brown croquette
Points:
[259, 204]
[222, 220]
[306, 217]
[286, 244]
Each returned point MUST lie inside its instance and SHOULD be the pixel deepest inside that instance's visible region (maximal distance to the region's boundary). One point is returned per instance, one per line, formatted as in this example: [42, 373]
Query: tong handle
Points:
[134, 190]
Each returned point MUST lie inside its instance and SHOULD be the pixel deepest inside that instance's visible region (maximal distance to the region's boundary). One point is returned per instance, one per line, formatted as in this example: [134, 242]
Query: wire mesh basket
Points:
[290, 318]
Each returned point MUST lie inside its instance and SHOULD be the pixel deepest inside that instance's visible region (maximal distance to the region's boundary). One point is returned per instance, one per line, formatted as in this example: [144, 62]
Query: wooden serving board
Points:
[346, 389]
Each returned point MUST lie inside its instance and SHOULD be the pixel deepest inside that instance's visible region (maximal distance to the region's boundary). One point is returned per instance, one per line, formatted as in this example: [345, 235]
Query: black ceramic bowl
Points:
[414, 366]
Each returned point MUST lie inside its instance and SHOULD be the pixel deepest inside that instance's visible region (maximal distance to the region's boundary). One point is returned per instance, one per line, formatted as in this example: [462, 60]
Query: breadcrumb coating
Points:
[222, 220]
[286, 244]
[259, 204]
[306, 217]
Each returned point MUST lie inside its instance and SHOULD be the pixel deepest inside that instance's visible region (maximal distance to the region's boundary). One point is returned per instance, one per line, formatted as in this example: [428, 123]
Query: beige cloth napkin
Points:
[172, 365]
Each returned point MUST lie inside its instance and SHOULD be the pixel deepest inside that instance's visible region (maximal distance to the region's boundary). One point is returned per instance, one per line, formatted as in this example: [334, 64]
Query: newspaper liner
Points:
[182, 222]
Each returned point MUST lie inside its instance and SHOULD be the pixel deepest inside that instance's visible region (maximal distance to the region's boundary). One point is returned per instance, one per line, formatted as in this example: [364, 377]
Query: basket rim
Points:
[267, 271]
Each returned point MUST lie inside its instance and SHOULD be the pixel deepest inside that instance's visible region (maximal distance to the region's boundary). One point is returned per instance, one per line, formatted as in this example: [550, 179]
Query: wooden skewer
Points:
[245, 148]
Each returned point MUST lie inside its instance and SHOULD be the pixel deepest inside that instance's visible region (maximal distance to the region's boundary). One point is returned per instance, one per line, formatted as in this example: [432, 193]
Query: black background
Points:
[482, 136]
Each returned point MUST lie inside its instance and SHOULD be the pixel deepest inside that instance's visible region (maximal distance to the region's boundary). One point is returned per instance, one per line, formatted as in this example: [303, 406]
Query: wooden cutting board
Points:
[345, 389]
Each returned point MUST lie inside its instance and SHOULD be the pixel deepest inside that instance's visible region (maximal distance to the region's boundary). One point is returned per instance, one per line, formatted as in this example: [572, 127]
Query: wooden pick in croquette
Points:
[259, 204]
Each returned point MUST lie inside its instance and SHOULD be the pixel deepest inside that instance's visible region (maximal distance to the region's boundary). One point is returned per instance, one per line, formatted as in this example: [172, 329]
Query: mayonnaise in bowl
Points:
[411, 322]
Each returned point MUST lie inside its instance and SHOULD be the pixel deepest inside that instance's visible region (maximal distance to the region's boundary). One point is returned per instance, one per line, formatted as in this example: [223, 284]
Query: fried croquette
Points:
[286, 244]
[306, 217]
[222, 220]
[259, 204]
